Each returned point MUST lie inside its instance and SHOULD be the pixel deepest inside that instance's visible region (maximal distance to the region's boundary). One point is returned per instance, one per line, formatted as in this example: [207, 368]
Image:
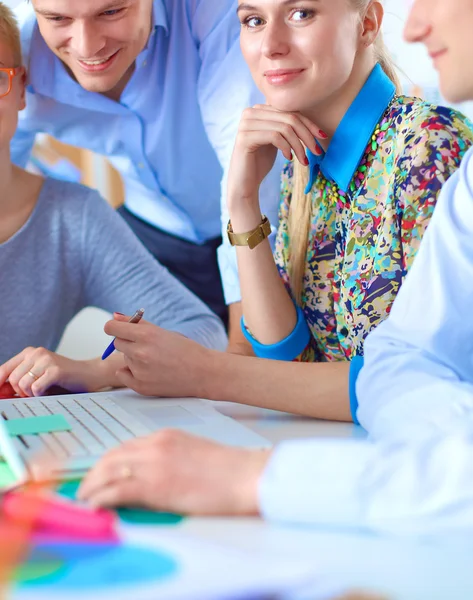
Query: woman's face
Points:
[13, 102]
[300, 52]
[446, 29]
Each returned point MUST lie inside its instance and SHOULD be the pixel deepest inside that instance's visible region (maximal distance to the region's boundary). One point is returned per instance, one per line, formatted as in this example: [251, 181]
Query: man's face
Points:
[445, 27]
[97, 40]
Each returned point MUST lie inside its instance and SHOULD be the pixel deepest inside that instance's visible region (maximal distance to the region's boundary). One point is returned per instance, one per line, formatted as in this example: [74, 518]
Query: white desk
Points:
[403, 569]
[276, 426]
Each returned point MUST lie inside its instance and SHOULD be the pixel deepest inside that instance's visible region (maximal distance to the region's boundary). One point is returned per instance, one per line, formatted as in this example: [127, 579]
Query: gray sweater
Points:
[75, 251]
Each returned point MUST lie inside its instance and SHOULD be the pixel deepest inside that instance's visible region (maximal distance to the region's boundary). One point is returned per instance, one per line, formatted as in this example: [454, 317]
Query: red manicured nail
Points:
[322, 134]
[119, 313]
[318, 151]
[306, 161]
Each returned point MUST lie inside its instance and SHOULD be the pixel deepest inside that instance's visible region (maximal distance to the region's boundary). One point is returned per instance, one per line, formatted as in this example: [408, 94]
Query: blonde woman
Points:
[368, 165]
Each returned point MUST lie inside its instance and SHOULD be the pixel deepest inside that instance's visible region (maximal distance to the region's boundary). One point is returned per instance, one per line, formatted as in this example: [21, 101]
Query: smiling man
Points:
[157, 86]
[98, 46]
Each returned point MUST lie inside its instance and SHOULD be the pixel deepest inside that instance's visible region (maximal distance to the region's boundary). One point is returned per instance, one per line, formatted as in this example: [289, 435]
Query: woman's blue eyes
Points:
[297, 15]
[307, 14]
[253, 22]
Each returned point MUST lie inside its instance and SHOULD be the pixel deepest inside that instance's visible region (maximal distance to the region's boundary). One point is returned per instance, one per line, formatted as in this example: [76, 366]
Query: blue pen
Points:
[136, 318]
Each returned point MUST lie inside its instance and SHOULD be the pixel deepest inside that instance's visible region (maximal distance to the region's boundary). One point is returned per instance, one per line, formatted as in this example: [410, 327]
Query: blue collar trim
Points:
[349, 142]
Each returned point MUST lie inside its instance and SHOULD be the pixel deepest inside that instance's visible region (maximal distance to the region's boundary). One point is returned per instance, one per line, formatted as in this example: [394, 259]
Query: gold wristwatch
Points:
[250, 238]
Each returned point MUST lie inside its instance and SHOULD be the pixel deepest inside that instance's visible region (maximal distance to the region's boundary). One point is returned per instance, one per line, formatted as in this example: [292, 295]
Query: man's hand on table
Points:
[177, 472]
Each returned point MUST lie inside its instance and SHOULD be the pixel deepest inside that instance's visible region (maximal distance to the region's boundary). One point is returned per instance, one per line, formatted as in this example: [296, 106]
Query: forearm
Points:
[100, 374]
[207, 330]
[237, 343]
[318, 390]
[268, 309]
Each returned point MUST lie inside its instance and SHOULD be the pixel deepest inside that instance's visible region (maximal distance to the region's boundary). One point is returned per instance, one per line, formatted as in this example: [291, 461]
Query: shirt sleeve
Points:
[288, 349]
[21, 146]
[119, 274]
[419, 363]
[226, 88]
[400, 486]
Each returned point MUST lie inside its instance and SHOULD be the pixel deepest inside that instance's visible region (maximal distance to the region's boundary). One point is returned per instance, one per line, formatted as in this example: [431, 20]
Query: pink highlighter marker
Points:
[62, 518]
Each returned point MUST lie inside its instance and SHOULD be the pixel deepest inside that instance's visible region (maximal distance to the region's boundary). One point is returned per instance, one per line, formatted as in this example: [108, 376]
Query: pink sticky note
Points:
[63, 519]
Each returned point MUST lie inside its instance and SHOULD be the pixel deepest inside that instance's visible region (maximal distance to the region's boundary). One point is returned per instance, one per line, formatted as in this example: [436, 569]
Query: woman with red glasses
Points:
[6, 79]
[62, 248]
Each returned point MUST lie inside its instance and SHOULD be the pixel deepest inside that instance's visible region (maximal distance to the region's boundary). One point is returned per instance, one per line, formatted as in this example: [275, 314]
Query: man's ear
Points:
[371, 24]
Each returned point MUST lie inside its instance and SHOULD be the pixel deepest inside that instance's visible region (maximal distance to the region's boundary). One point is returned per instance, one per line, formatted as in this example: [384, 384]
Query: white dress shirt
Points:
[415, 472]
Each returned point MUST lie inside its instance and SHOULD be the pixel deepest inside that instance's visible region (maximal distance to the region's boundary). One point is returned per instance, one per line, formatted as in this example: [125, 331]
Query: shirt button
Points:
[141, 166]
[145, 63]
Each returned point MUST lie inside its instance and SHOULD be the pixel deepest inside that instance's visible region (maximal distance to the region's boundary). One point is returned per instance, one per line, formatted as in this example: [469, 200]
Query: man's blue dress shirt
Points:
[171, 136]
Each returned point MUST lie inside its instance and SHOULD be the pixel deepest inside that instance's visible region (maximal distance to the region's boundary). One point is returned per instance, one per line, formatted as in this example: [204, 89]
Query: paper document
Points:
[152, 564]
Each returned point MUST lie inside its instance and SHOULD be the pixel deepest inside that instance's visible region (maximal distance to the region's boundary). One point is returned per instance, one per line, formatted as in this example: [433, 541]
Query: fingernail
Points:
[318, 151]
[119, 313]
[322, 134]
[306, 161]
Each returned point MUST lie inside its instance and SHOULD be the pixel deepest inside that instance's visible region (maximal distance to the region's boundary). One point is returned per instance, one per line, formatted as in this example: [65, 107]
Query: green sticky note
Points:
[35, 425]
[129, 515]
[141, 516]
[6, 476]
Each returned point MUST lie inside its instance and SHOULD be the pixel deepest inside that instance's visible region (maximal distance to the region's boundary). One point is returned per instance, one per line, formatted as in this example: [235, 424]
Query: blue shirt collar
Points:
[160, 18]
[349, 142]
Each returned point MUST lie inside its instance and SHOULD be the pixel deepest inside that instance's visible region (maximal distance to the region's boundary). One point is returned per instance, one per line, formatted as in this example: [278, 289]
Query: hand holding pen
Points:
[136, 318]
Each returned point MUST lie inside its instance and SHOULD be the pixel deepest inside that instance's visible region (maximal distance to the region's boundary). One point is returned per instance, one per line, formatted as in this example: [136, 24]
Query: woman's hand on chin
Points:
[262, 132]
[177, 472]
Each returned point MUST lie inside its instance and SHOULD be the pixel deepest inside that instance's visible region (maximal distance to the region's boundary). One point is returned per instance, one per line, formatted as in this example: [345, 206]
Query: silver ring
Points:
[33, 375]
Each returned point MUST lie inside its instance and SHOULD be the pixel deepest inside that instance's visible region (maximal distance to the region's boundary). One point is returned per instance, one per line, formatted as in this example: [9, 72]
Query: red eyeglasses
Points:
[6, 80]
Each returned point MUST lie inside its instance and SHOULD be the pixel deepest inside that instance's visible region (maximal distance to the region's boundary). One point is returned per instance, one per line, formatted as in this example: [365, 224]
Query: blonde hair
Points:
[300, 209]
[10, 33]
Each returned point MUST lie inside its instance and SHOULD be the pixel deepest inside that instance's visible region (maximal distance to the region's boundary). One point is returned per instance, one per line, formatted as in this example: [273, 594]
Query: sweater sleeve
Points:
[119, 274]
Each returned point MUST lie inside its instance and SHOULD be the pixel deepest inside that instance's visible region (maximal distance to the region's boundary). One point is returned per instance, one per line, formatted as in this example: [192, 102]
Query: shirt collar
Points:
[349, 142]
[160, 17]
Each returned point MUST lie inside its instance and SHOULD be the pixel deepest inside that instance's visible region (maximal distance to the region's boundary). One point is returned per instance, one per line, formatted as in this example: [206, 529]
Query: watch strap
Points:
[250, 238]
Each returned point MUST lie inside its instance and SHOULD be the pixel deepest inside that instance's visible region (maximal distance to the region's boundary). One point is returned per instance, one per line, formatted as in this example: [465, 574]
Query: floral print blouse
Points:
[364, 235]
